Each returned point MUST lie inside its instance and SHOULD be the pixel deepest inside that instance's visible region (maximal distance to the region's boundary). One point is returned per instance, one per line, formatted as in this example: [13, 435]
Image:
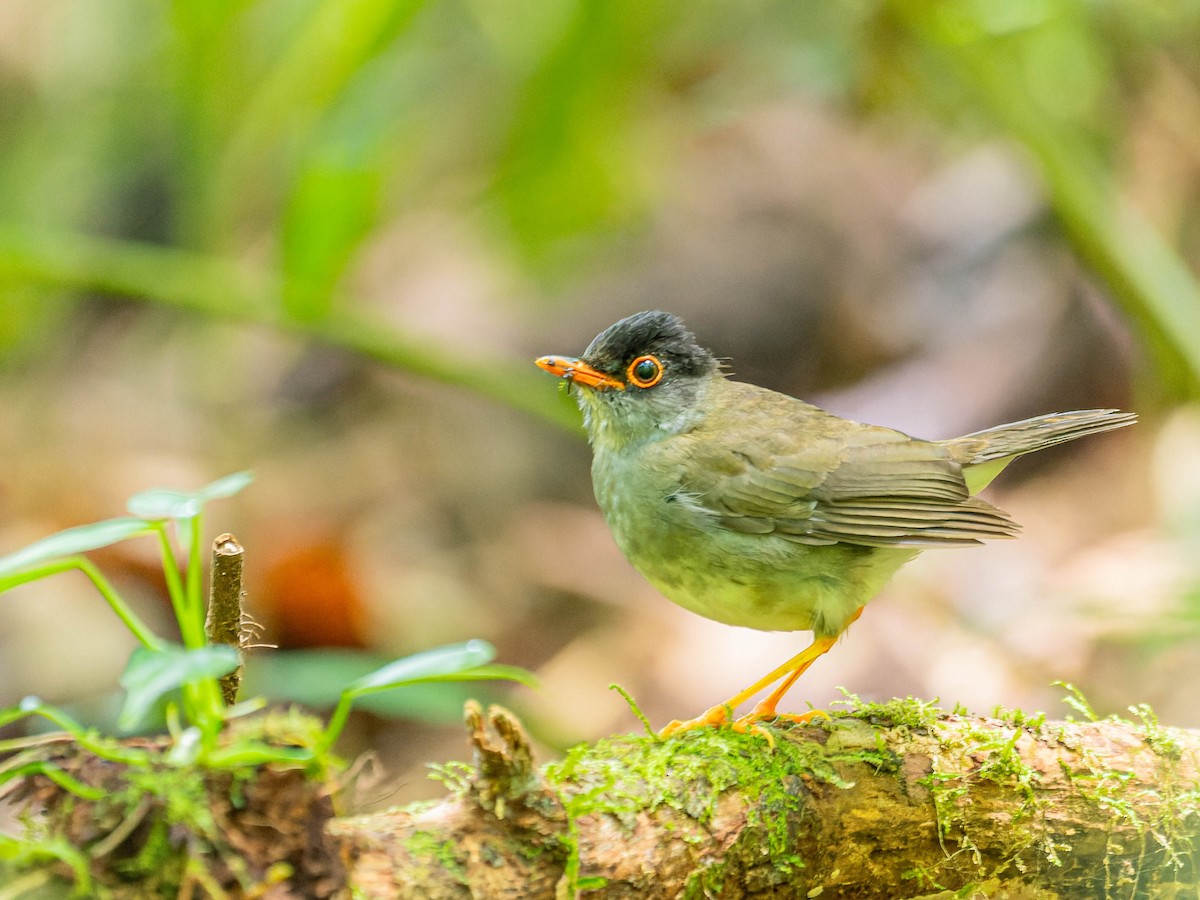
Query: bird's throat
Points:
[618, 422]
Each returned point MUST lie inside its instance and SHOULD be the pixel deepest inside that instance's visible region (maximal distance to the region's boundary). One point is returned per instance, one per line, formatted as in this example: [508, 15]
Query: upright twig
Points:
[224, 622]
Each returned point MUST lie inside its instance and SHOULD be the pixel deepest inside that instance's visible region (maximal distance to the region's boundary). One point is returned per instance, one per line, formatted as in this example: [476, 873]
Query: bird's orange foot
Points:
[765, 713]
[717, 715]
[752, 722]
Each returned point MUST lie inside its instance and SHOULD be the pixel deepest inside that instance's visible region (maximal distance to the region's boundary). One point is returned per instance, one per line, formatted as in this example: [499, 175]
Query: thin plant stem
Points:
[128, 617]
[195, 569]
[63, 779]
[110, 750]
[337, 721]
[202, 699]
[219, 288]
[174, 583]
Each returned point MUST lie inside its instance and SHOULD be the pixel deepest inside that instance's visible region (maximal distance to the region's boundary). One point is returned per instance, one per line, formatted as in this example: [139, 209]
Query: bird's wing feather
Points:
[829, 481]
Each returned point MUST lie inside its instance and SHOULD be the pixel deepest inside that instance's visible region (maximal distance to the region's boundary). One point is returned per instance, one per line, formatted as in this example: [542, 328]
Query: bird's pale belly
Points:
[796, 588]
[758, 581]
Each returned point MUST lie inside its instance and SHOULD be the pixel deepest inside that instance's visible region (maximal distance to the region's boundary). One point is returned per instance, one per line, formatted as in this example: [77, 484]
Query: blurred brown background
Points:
[324, 241]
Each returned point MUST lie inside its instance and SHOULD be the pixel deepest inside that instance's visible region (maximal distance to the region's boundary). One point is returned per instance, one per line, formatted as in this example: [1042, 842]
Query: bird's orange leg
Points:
[790, 671]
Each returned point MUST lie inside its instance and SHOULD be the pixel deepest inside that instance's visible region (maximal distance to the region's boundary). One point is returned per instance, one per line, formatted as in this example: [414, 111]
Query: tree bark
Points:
[886, 801]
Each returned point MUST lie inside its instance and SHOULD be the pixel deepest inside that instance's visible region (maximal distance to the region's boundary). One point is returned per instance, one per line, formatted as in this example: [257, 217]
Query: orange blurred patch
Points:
[310, 598]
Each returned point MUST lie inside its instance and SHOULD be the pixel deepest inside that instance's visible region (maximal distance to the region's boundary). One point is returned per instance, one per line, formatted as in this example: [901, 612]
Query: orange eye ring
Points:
[645, 371]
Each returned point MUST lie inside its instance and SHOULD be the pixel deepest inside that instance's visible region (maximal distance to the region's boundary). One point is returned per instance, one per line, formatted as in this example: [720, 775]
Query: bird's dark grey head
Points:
[661, 371]
[653, 333]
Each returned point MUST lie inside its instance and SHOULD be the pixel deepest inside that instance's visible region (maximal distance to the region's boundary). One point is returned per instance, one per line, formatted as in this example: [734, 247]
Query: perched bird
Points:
[754, 508]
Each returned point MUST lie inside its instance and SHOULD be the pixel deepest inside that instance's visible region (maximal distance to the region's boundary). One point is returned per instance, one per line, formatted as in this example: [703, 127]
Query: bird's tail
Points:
[1028, 435]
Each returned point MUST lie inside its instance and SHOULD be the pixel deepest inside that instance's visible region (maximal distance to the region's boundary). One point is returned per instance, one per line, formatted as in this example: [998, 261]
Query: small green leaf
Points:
[432, 664]
[152, 673]
[160, 503]
[163, 503]
[226, 487]
[494, 672]
[80, 539]
[316, 677]
[457, 662]
[309, 677]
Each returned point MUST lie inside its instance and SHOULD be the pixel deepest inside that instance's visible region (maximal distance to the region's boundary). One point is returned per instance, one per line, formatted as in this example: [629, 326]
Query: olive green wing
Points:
[852, 484]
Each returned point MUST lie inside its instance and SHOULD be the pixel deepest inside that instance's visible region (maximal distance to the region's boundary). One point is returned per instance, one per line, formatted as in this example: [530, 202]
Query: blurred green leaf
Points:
[152, 673]
[573, 158]
[163, 503]
[226, 486]
[441, 661]
[457, 662]
[310, 677]
[320, 56]
[218, 288]
[1029, 102]
[71, 541]
[333, 205]
[494, 672]
[291, 135]
[315, 678]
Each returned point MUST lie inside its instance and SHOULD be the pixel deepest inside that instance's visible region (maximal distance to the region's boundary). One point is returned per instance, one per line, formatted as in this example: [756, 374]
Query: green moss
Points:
[1156, 736]
[924, 879]
[1002, 764]
[1174, 834]
[995, 747]
[623, 777]
[1018, 718]
[456, 777]
[530, 850]
[1171, 835]
[427, 849]
[704, 883]
[897, 718]
[1171, 838]
[904, 713]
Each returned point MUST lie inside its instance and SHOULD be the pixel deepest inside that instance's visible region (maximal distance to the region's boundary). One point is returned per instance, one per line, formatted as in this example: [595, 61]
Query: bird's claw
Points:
[717, 715]
[761, 713]
[802, 718]
[751, 723]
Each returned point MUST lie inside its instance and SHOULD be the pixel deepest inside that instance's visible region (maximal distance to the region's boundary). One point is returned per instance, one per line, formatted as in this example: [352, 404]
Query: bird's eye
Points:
[645, 371]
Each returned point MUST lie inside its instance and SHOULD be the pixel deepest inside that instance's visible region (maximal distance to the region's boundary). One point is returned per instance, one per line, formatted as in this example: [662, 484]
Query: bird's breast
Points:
[761, 581]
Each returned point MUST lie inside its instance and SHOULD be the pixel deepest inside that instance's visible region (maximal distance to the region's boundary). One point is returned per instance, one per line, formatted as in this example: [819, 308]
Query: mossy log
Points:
[882, 801]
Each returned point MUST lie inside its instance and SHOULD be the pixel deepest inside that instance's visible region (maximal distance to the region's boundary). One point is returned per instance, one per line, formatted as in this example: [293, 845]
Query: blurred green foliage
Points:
[146, 147]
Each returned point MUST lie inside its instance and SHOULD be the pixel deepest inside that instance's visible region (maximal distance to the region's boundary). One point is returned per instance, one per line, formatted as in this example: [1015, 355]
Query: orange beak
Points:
[578, 371]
